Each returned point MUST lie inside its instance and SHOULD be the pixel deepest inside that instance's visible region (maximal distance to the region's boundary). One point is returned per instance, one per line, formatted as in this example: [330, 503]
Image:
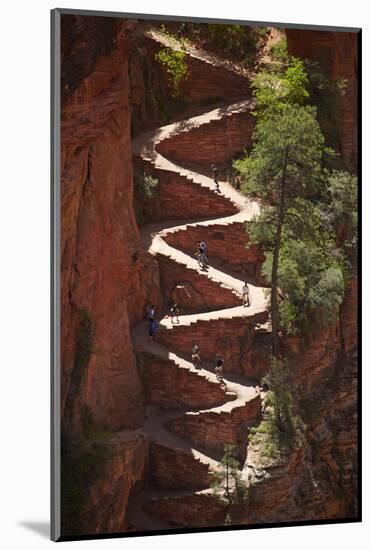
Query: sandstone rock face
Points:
[105, 270]
[337, 53]
[109, 496]
[107, 278]
[318, 480]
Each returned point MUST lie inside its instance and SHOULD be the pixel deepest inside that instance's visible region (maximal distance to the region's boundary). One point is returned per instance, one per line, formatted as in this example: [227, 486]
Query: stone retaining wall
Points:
[169, 386]
[214, 430]
[205, 294]
[215, 142]
[176, 469]
[230, 337]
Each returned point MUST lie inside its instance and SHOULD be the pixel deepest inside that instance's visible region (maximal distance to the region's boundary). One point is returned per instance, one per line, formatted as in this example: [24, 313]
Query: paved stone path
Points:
[238, 391]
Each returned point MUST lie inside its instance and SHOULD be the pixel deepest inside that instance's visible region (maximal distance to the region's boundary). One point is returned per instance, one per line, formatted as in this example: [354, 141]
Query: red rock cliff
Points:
[337, 53]
[105, 272]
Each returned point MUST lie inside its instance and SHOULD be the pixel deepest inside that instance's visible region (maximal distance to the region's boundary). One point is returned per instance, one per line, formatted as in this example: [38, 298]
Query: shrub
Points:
[279, 50]
[175, 65]
[239, 41]
[149, 186]
[281, 427]
[229, 487]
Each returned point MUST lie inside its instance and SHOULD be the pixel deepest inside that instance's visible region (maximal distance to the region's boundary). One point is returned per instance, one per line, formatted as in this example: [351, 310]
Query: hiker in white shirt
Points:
[246, 295]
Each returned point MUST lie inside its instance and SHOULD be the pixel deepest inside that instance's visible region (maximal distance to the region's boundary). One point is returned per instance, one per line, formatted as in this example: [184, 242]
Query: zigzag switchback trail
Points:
[196, 415]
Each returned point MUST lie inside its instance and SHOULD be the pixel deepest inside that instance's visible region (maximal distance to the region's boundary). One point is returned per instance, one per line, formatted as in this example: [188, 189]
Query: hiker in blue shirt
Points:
[153, 327]
[201, 255]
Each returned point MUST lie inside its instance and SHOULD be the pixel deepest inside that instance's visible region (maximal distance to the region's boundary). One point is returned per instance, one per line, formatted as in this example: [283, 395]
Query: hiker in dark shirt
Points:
[152, 327]
[214, 170]
[219, 362]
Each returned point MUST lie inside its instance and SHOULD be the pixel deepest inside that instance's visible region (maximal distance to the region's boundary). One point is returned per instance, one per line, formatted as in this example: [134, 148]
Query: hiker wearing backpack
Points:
[201, 255]
[196, 359]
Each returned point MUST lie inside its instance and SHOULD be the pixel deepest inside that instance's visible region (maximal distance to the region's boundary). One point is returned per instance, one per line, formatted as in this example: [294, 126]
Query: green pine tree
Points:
[285, 169]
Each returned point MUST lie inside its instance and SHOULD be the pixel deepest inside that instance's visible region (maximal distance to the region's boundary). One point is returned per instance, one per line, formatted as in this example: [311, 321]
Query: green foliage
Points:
[175, 40]
[274, 90]
[145, 190]
[237, 40]
[229, 486]
[281, 428]
[149, 185]
[342, 210]
[280, 382]
[145, 186]
[174, 62]
[286, 169]
[83, 458]
[295, 130]
[279, 50]
[311, 278]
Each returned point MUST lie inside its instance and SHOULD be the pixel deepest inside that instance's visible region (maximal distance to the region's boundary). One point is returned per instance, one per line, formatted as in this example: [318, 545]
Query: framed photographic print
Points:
[205, 231]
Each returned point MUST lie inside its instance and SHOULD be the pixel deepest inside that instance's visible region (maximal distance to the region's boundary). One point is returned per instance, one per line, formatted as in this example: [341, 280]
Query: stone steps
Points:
[209, 79]
[216, 428]
[192, 415]
[198, 53]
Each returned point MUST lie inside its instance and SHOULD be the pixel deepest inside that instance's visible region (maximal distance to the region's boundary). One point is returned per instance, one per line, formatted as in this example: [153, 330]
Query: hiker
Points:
[219, 362]
[246, 295]
[202, 246]
[196, 359]
[153, 328]
[201, 255]
[174, 312]
[214, 170]
[151, 313]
